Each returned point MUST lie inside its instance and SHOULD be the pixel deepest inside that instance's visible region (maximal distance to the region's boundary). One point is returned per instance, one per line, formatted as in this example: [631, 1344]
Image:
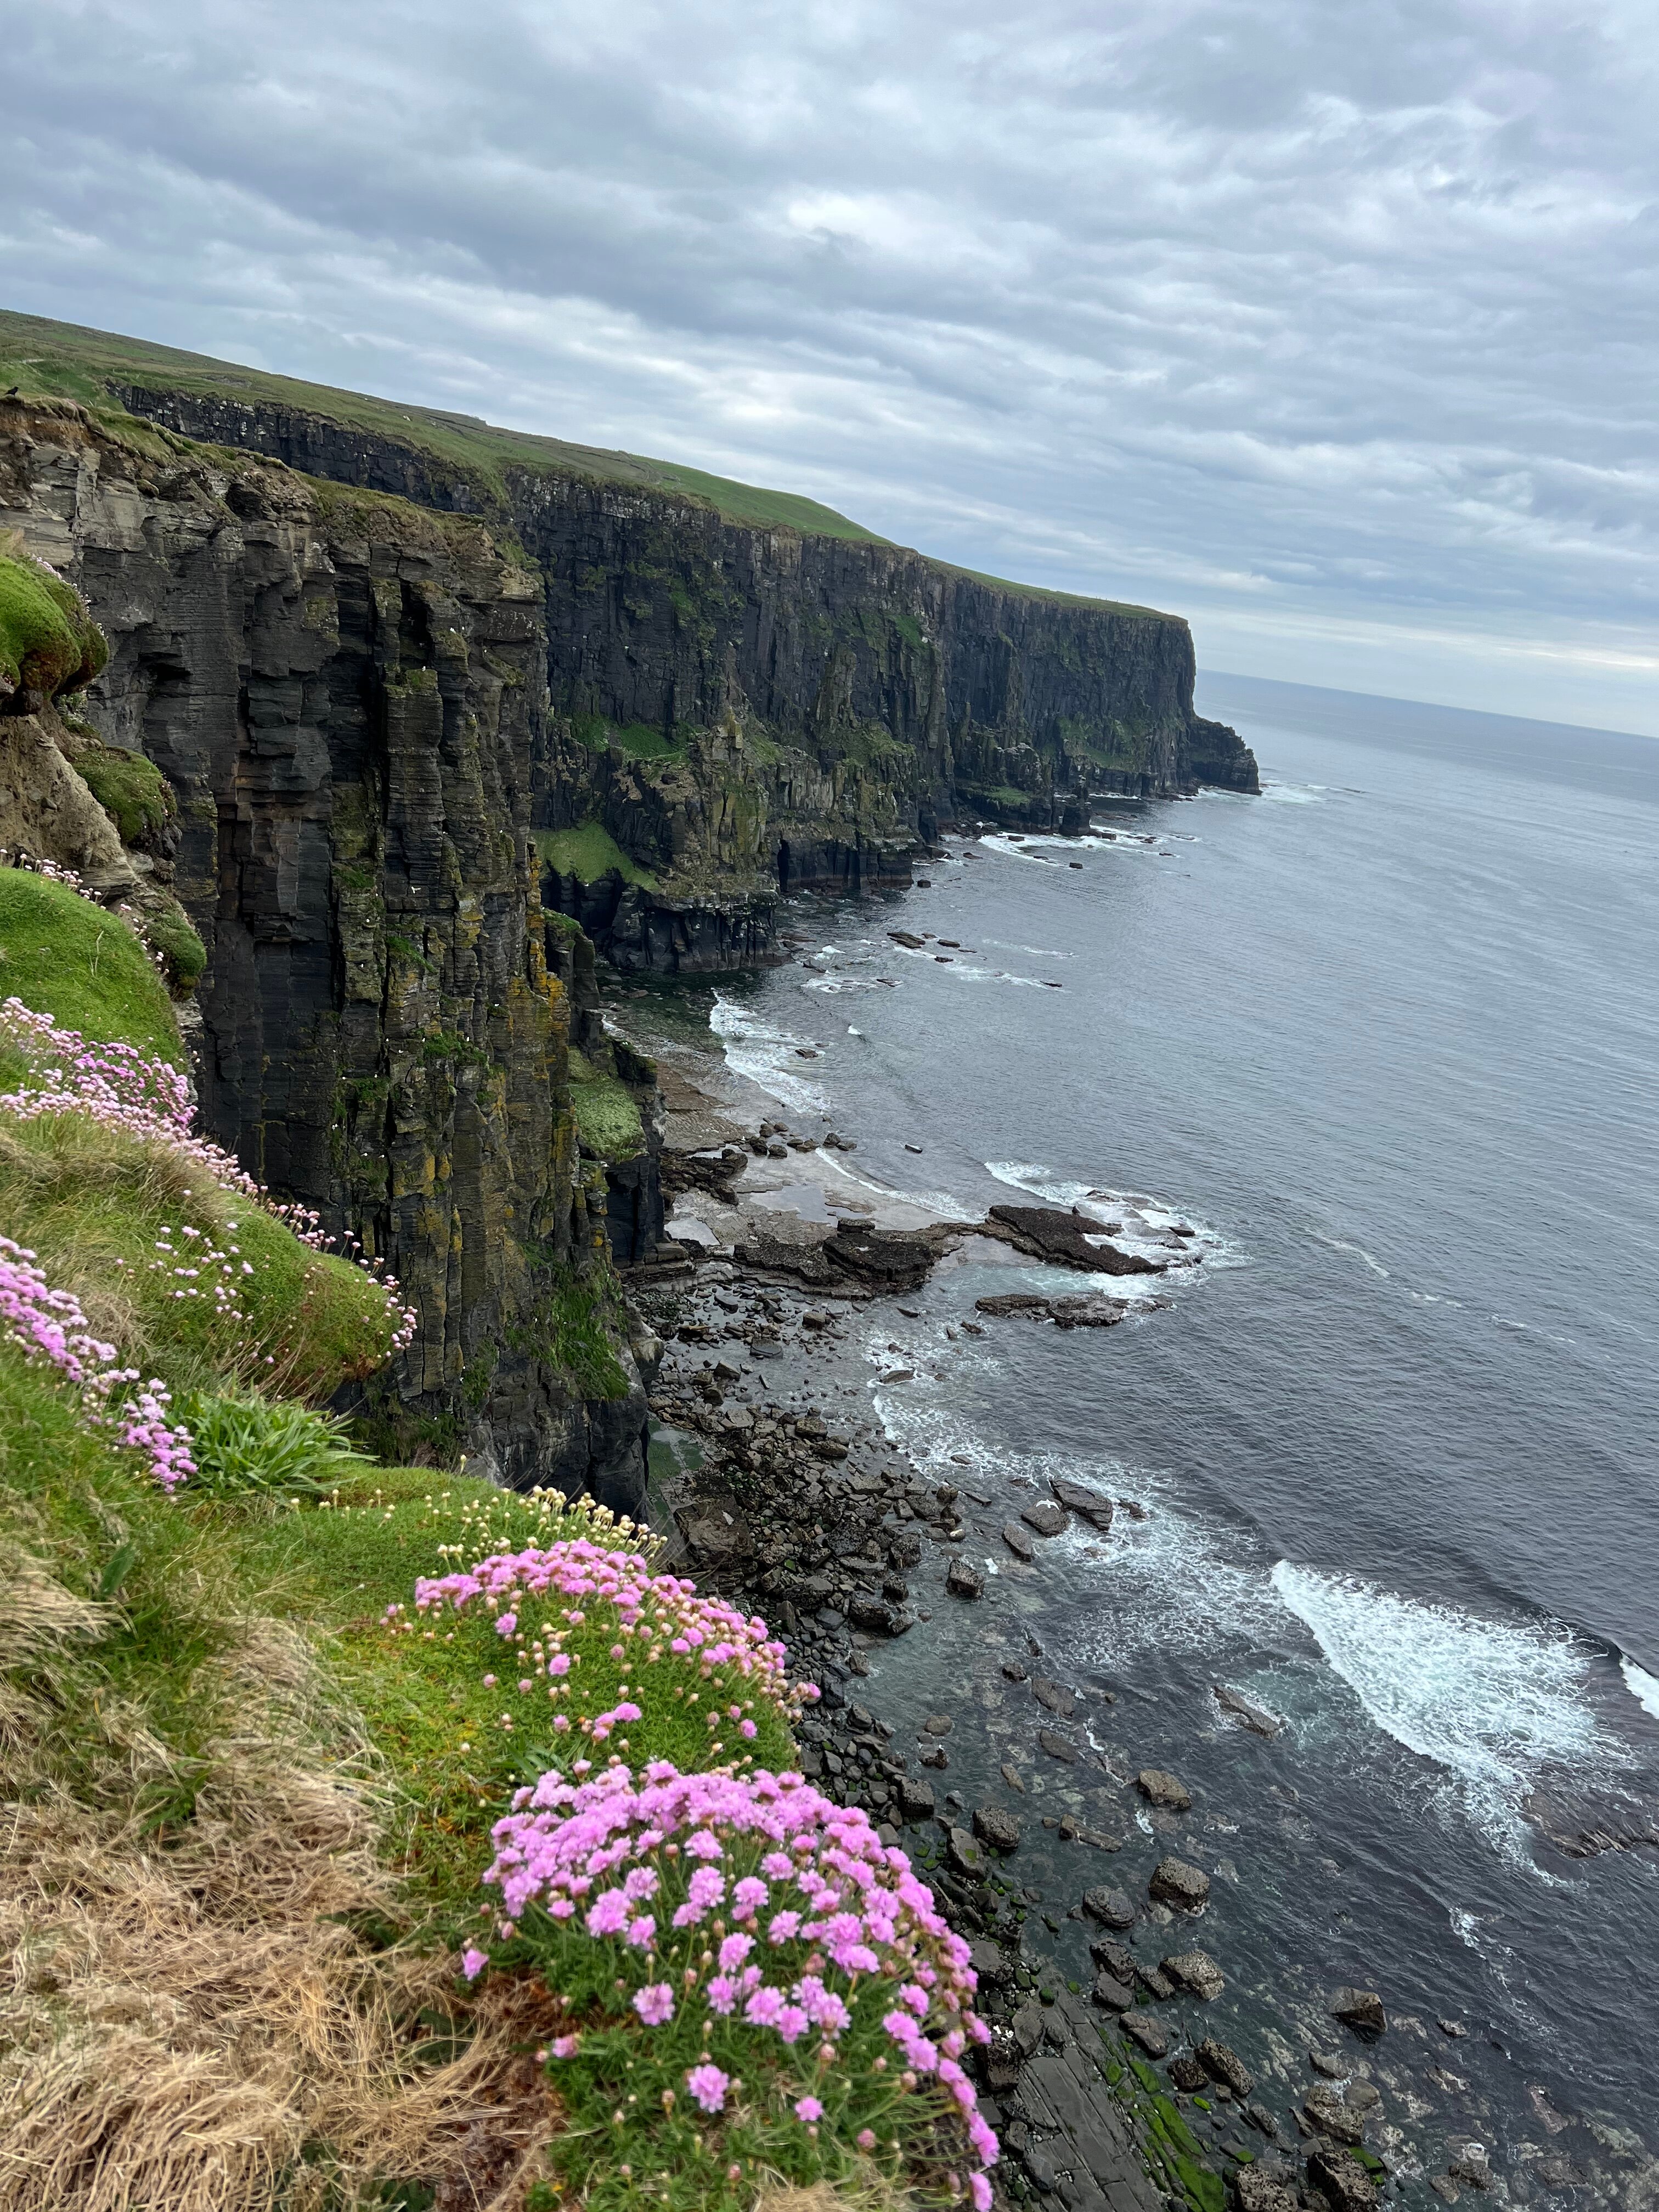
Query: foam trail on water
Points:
[1497, 1705]
[1642, 1685]
[763, 1052]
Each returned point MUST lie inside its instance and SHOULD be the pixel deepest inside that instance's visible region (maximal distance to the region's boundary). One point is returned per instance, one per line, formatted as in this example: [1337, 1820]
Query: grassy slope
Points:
[607, 1115]
[66, 957]
[588, 851]
[65, 361]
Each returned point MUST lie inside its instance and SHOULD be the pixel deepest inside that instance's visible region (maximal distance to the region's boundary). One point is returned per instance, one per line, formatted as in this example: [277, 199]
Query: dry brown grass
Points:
[187, 2015]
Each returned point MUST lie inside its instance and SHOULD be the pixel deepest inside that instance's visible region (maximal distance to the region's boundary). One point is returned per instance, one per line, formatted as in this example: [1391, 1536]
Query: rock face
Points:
[348, 698]
[749, 709]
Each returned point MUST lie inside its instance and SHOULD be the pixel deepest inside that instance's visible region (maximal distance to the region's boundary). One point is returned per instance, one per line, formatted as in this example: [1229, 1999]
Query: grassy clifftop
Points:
[64, 361]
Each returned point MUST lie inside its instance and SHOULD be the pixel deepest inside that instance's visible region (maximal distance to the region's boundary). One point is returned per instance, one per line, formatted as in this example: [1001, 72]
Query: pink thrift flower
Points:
[709, 2085]
[654, 2003]
[808, 2109]
[763, 2007]
[734, 1951]
[566, 2046]
[783, 1927]
[980, 2190]
[473, 1962]
[866, 2139]
[642, 1932]
[507, 1623]
[747, 1729]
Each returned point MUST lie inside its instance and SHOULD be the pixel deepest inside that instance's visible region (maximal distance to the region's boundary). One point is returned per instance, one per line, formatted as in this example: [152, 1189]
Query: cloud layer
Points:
[1331, 327]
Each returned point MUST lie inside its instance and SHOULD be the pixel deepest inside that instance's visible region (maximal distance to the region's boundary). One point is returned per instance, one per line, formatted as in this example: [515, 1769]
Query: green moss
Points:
[132, 791]
[169, 931]
[588, 851]
[68, 958]
[48, 642]
[607, 1115]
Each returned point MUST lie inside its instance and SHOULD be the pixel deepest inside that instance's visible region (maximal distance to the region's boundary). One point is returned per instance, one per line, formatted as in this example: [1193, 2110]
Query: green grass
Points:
[94, 1203]
[66, 361]
[588, 851]
[66, 957]
[48, 642]
[607, 1115]
[131, 790]
[637, 740]
[573, 1326]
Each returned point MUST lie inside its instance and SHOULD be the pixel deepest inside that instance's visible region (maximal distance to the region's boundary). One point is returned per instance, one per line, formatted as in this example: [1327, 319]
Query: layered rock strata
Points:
[347, 697]
[748, 710]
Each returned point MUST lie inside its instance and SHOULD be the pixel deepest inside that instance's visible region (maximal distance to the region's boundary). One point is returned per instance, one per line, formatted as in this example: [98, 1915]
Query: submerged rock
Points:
[1161, 1789]
[1361, 2010]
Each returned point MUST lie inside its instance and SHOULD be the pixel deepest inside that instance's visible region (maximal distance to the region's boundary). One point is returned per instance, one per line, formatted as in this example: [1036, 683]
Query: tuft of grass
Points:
[637, 740]
[573, 1326]
[588, 851]
[244, 1444]
[131, 790]
[66, 957]
[48, 642]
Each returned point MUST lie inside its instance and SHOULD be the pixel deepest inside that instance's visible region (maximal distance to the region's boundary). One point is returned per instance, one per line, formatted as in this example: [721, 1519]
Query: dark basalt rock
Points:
[1062, 1239]
[1173, 1882]
[1361, 2010]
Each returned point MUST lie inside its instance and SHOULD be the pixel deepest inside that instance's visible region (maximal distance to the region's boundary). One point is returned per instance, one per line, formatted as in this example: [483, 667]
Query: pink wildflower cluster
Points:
[756, 1903]
[50, 1325]
[119, 1088]
[539, 1596]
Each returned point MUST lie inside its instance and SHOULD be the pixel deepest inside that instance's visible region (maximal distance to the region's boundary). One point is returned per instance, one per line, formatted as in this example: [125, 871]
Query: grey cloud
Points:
[1323, 324]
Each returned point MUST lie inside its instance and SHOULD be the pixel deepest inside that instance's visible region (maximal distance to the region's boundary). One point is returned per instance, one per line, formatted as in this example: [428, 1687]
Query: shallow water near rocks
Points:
[1386, 1039]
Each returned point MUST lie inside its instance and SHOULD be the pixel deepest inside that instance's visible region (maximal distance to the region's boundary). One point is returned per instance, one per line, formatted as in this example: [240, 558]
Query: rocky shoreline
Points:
[1112, 2095]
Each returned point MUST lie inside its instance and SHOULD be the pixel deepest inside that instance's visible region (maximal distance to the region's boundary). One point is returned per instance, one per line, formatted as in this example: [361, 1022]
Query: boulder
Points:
[1116, 1958]
[1175, 1883]
[1112, 1995]
[1160, 1788]
[1187, 2075]
[1329, 2114]
[1054, 1698]
[1256, 1718]
[1259, 2188]
[963, 1580]
[1343, 2181]
[1018, 1540]
[1361, 2010]
[1196, 1971]
[964, 1854]
[1077, 1497]
[916, 1799]
[1057, 1746]
[996, 1829]
[1151, 2034]
[1112, 1908]
[1222, 2064]
[938, 1724]
[877, 1616]
[1045, 1516]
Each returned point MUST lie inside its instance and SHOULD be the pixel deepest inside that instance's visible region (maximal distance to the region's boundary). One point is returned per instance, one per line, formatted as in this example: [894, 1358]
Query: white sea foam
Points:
[1642, 1685]
[1496, 1705]
[1295, 795]
[765, 1055]
[1345, 1244]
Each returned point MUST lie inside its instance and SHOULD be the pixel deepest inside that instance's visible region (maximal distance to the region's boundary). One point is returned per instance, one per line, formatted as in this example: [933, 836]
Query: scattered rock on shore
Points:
[1112, 1908]
[1173, 1882]
[1195, 1971]
[963, 1580]
[1361, 2010]
[1163, 1790]
[996, 1828]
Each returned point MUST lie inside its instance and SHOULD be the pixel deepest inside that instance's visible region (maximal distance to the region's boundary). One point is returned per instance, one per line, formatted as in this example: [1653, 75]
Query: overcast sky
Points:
[1331, 326]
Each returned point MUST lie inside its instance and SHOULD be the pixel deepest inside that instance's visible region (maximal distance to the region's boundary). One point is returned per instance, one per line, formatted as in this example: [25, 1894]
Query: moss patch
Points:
[132, 791]
[48, 642]
[607, 1115]
[588, 851]
[575, 1326]
[66, 957]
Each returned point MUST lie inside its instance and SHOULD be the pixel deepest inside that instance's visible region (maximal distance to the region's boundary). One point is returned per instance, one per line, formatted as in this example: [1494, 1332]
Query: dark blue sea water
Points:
[1388, 1036]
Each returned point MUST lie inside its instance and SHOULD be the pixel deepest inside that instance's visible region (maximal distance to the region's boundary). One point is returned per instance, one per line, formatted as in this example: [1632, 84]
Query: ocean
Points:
[1387, 1039]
